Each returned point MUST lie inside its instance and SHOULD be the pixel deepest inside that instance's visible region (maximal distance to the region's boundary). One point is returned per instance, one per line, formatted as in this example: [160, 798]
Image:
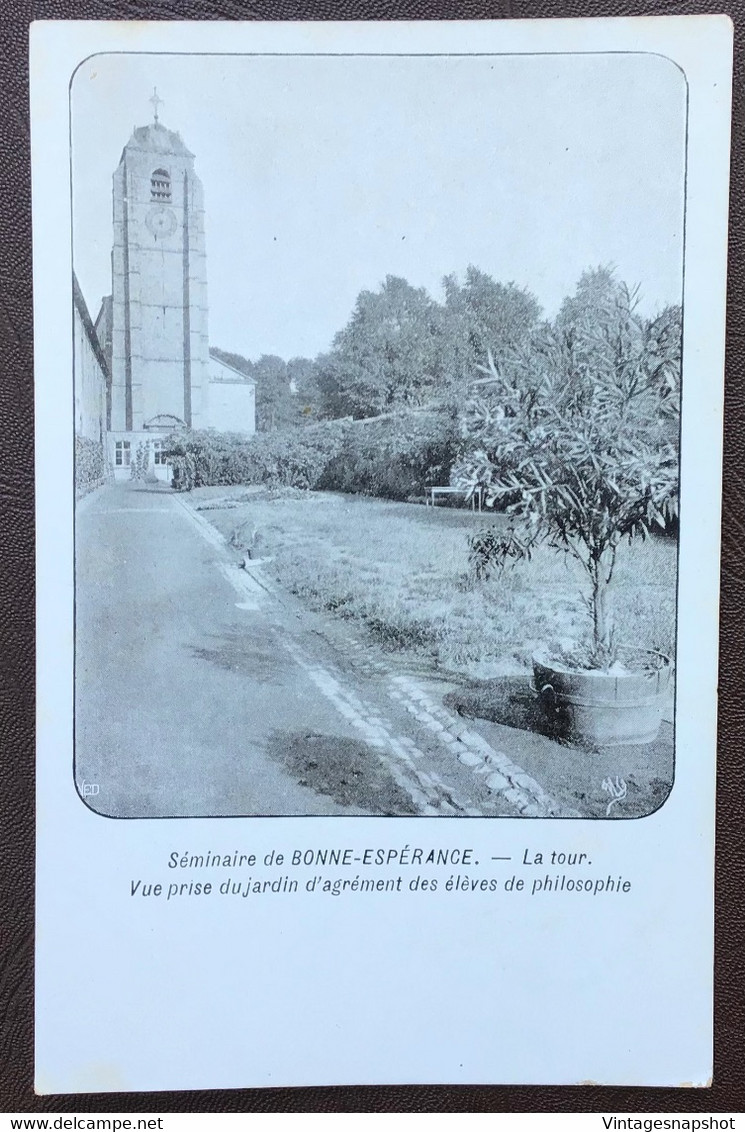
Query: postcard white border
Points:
[313, 993]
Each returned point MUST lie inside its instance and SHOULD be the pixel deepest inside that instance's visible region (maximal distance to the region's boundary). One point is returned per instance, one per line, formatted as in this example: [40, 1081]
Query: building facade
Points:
[92, 376]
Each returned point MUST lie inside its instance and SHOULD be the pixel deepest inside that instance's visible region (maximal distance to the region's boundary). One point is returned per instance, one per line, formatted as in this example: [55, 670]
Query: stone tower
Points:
[159, 343]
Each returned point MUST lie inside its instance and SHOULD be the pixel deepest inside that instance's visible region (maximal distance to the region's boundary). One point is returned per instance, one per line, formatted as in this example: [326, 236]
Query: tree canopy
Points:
[402, 349]
[390, 353]
[483, 316]
[575, 434]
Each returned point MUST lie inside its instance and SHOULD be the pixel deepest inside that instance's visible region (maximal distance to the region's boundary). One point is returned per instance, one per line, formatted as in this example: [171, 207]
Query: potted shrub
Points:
[576, 437]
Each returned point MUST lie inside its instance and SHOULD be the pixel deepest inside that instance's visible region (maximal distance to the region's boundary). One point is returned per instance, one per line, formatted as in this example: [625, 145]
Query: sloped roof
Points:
[232, 373]
[82, 308]
[157, 139]
[104, 318]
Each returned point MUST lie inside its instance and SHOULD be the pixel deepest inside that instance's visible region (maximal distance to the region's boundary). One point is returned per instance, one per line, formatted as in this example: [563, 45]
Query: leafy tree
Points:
[577, 433]
[275, 404]
[484, 316]
[664, 343]
[602, 333]
[594, 296]
[390, 354]
[331, 375]
[302, 374]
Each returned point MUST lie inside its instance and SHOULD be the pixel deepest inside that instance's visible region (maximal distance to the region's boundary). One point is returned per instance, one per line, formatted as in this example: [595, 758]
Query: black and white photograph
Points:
[377, 378]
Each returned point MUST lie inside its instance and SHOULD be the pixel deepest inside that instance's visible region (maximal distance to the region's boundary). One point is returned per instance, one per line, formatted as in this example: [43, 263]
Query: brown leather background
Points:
[17, 606]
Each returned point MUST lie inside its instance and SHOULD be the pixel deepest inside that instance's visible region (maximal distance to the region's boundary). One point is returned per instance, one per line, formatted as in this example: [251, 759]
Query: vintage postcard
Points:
[379, 382]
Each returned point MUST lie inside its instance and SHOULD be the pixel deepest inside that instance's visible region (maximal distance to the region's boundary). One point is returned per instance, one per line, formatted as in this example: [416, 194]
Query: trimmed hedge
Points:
[393, 457]
[292, 458]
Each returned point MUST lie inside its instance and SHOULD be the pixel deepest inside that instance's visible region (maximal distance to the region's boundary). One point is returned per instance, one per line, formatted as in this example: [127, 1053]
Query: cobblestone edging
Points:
[501, 775]
[428, 792]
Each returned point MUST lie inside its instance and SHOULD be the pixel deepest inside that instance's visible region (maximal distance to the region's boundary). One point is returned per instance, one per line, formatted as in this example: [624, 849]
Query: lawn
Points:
[401, 570]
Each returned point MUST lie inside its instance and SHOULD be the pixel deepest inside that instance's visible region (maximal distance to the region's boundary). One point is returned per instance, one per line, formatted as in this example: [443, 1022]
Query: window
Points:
[159, 453]
[160, 185]
[121, 454]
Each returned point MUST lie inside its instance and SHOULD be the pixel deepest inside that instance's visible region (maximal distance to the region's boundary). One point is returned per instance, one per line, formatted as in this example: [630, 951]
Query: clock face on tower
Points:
[161, 221]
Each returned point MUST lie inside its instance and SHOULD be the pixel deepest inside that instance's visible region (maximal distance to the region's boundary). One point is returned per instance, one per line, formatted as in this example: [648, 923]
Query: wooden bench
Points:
[434, 492]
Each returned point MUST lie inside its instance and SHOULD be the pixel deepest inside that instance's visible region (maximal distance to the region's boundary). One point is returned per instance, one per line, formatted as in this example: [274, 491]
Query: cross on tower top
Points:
[155, 102]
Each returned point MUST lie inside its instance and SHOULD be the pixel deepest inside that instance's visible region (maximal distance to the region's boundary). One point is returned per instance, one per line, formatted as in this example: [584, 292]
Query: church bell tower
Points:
[160, 352]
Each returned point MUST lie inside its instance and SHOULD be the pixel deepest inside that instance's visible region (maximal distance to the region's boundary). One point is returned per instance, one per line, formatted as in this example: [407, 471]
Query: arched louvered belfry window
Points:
[160, 185]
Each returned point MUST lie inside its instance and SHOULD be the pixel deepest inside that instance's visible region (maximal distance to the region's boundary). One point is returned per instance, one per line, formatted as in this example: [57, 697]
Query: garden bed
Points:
[401, 571]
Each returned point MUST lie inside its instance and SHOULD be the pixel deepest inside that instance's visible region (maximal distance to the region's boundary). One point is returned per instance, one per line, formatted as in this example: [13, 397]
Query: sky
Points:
[322, 175]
